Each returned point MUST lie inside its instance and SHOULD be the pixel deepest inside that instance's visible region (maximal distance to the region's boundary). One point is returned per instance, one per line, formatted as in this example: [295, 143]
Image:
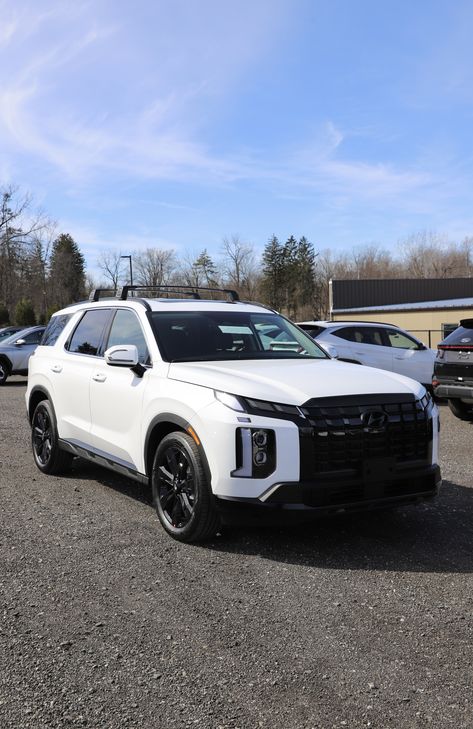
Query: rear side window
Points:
[54, 329]
[88, 334]
[362, 335]
[348, 333]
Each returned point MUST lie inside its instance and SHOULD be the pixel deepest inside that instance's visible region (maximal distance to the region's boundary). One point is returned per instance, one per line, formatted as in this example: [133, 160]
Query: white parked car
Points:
[374, 344]
[223, 405]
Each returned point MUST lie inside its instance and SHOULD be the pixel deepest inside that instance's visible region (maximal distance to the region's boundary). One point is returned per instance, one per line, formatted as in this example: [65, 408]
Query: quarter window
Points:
[54, 329]
[88, 334]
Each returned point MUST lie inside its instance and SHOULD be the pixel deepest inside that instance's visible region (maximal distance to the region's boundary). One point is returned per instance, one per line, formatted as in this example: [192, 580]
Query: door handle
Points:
[396, 356]
[56, 368]
[99, 377]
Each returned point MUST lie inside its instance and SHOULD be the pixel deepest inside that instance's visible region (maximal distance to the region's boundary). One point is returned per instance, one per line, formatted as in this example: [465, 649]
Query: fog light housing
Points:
[255, 452]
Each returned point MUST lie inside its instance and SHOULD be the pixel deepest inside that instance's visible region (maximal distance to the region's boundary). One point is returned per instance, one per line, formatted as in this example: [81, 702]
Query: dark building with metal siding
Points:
[354, 294]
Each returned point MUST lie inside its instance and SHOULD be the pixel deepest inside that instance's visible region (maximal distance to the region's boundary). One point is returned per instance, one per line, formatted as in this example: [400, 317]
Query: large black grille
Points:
[341, 440]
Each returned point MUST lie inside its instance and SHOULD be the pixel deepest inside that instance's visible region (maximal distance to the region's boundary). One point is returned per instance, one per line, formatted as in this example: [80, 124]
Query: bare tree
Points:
[24, 235]
[239, 266]
[154, 266]
[109, 262]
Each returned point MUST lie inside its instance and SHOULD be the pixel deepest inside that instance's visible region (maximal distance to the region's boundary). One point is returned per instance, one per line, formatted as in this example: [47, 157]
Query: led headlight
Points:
[230, 401]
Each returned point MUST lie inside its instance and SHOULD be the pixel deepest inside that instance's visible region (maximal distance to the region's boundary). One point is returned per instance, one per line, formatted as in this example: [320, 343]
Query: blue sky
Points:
[175, 123]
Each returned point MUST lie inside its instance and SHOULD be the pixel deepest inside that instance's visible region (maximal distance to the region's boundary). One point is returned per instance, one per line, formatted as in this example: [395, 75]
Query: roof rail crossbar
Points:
[96, 293]
[184, 290]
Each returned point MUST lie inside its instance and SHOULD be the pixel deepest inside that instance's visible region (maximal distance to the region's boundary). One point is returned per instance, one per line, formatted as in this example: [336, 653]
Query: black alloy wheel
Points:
[181, 494]
[44, 439]
[4, 372]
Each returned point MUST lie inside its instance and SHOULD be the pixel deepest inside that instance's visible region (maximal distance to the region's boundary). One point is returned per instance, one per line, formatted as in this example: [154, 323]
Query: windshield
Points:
[218, 335]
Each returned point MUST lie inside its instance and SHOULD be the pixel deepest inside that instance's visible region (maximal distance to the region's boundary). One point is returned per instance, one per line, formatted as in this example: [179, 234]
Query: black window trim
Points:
[107, 329]
[67, 343]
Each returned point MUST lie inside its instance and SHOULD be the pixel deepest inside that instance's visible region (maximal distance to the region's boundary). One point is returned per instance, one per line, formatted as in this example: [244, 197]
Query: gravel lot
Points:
[108, 623]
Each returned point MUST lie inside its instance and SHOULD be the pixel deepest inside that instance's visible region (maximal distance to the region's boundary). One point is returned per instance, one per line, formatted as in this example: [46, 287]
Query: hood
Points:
[292, 382]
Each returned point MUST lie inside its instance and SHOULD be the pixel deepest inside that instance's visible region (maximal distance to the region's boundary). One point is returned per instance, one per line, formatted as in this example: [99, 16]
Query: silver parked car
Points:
[9, 332]
[16, 350]
[375, 344]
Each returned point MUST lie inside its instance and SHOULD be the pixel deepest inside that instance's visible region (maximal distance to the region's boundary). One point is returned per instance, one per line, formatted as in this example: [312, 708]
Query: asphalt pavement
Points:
[106, 622]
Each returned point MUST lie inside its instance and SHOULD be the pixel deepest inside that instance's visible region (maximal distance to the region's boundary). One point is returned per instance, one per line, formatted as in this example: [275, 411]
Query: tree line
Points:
[42, 270]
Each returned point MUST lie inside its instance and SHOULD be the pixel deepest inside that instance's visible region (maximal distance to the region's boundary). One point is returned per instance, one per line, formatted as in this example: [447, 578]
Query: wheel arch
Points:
[36, 396]
[161, 426]
[6, 362]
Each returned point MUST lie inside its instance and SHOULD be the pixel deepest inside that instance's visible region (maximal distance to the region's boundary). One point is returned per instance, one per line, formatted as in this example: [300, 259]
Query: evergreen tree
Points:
[205, 269]
[24, 313]
[290, 268]
[4, 315]
[67, 271]
[306, 276]
[272, 282]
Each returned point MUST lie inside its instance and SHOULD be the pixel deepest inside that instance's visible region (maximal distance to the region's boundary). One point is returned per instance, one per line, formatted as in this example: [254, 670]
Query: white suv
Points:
[221, 404]
[375, 344]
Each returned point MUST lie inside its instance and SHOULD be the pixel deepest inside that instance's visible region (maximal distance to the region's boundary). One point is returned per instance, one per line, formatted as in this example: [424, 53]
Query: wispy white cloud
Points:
[156, 135]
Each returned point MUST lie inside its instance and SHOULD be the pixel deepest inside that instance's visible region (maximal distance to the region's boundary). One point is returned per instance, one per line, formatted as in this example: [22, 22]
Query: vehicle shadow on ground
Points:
[85, 470]
[429, 537]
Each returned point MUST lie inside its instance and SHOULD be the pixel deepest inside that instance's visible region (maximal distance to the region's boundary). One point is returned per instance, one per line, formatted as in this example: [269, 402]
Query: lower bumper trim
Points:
[448, 391]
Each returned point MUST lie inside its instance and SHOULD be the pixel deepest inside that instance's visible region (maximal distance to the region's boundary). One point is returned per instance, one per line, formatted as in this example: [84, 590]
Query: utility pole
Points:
[131, 269]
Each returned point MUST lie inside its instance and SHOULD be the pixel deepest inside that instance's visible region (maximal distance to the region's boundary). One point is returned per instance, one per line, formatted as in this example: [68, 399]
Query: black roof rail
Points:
[362, 321]
[95, 295]
[183, 290]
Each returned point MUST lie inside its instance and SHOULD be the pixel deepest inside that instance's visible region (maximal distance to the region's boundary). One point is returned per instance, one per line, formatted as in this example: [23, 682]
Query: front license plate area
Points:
[378, 469]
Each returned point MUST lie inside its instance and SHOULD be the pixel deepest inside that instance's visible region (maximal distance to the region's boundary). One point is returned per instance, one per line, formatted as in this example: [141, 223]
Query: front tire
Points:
[4, 371]
[461, 410]
[47, 454]
[181, 493]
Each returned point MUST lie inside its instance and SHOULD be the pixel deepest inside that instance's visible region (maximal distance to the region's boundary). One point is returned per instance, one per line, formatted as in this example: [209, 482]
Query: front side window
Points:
[401, 340]
[216, 335]
[88, 334]
[126, 329]
[33, 337]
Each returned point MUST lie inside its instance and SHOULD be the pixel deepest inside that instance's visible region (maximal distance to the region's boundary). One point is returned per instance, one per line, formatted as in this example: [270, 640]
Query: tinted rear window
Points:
[462, 335]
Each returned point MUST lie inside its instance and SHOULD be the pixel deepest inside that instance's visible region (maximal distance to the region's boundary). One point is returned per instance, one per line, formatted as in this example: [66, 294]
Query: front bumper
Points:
[326, 496]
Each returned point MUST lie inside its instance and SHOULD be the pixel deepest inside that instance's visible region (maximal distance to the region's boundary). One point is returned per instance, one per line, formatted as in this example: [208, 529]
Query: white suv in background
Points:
[374, 344]
[221, 404]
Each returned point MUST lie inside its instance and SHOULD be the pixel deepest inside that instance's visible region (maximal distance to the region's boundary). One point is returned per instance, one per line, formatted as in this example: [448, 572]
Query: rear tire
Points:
[461, 410]
[181, 493]
[47, 454]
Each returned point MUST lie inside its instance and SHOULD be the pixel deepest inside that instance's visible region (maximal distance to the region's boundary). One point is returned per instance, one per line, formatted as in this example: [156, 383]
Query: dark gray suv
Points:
[453, 370]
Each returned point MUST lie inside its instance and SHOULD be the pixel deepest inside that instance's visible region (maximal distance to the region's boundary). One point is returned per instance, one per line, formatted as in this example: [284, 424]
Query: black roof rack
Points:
[96, 294]
[183, 290]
